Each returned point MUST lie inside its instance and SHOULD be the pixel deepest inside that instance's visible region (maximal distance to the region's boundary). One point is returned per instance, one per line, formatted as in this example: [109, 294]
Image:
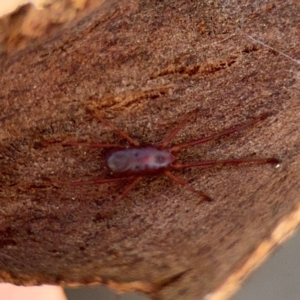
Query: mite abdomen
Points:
[141, 160]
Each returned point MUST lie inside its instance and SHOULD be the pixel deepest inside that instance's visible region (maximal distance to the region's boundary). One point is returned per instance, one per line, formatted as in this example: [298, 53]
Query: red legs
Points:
[98, 181]
[175, 148]
[214, 162]
[171, 135]
[228, 162]
[93, 145]
[92, 181]
[184, 184]
[127, 190]
[108, 180]
[179, 147]
[121, 133]
[99, 145]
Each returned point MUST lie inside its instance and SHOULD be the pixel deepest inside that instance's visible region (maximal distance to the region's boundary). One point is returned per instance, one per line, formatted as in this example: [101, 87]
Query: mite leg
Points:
[100, 145]
[92, 145]
[172, 134]
[127, 190]
[73, 143]
[227, 162]
[92, 181]
[103, 181]
[187, 186]
[97, 181]
[179, 147]
[120, 133]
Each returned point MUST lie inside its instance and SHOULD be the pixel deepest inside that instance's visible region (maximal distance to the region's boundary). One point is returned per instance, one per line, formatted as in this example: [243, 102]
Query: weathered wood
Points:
[144, 65]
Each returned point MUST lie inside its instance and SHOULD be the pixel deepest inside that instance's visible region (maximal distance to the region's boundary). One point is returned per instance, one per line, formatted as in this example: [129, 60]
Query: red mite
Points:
[136, 161]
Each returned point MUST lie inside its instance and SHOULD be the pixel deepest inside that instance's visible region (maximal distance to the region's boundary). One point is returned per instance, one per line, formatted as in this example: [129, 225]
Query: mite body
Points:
[136, 161]
[146, 160]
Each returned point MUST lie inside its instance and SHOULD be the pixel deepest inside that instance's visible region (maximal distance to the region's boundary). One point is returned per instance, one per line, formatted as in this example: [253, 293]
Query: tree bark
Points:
[144, 65]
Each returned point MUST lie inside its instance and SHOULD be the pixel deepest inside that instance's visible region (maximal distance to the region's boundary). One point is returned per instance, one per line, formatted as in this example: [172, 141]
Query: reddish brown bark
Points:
[144, 65]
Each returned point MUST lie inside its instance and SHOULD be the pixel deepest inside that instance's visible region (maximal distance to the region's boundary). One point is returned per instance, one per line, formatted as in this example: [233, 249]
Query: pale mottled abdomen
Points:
[139, 160]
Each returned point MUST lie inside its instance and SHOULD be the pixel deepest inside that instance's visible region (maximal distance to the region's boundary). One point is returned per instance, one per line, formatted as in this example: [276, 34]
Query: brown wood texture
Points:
[143, 65]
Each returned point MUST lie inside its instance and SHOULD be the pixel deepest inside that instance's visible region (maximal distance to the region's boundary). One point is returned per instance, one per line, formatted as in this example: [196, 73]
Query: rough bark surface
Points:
[144, 65]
